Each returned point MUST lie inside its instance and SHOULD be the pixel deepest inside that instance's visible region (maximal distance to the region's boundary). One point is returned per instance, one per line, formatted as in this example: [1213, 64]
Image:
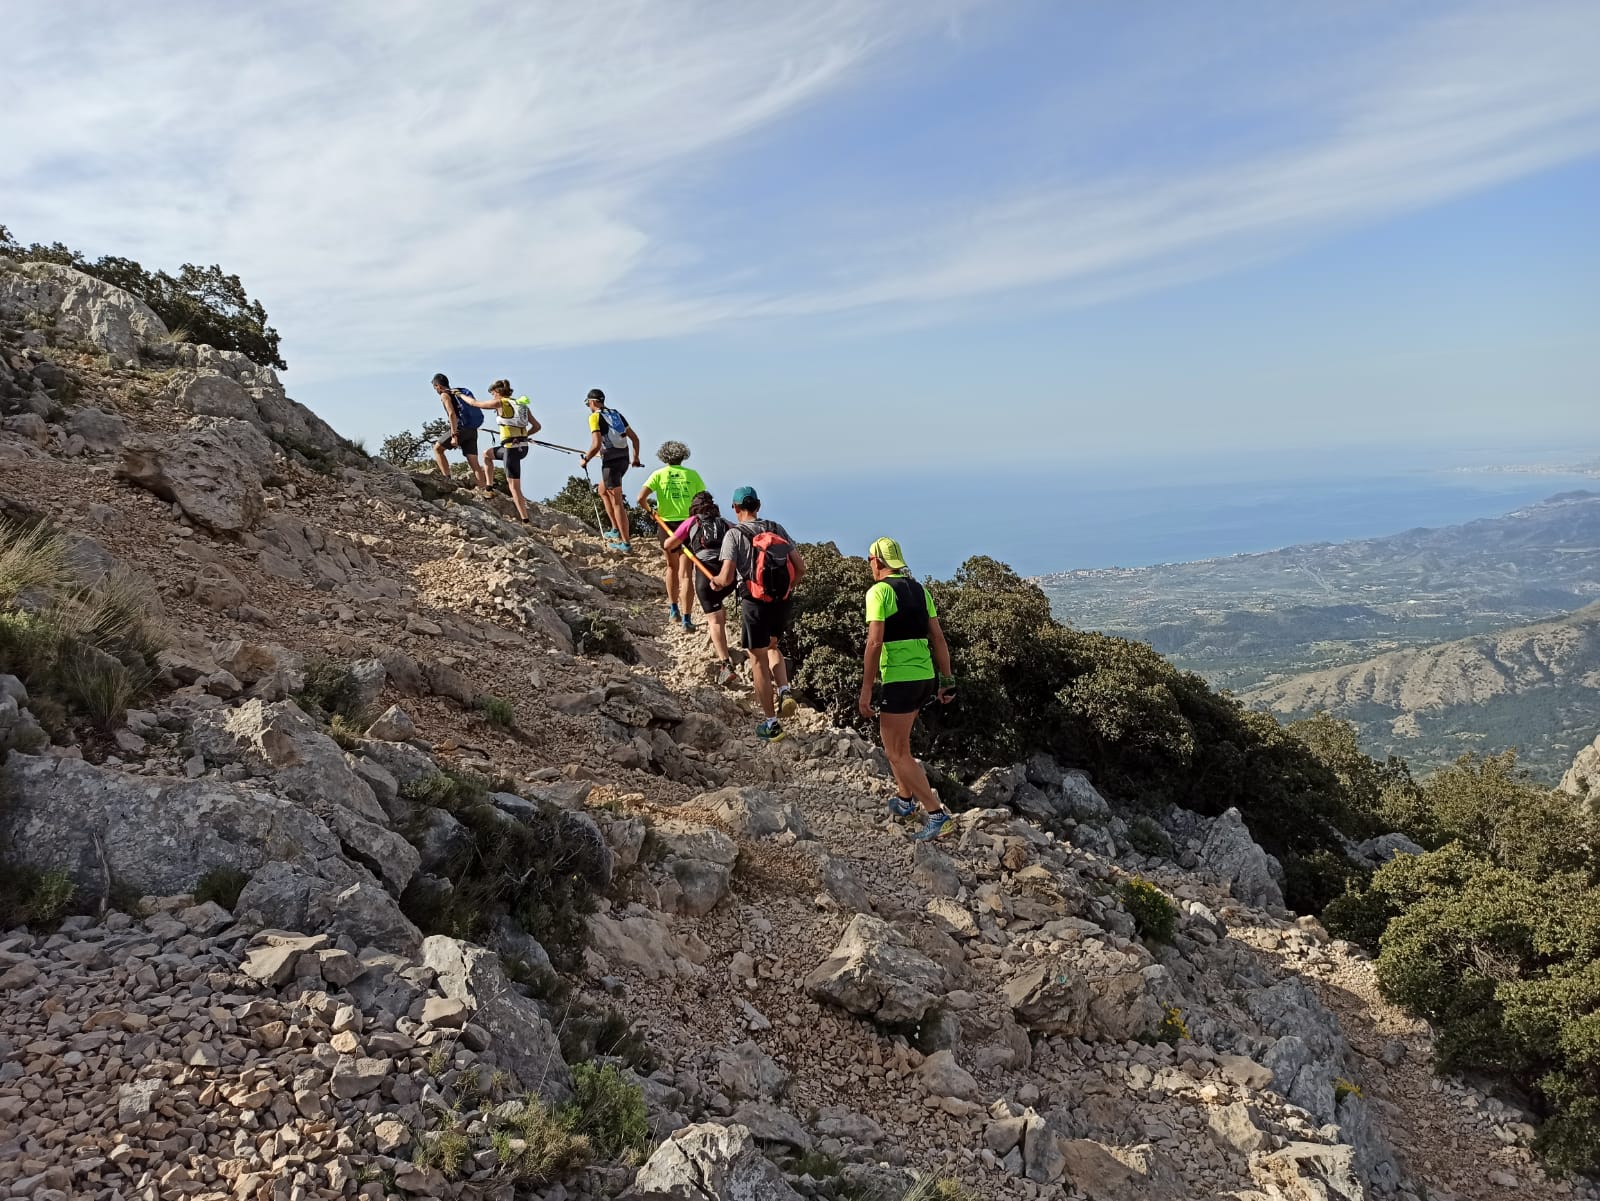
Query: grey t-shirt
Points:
[736, 545]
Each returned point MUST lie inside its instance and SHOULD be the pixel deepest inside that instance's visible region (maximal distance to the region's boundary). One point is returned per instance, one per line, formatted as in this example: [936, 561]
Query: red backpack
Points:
[771, 572]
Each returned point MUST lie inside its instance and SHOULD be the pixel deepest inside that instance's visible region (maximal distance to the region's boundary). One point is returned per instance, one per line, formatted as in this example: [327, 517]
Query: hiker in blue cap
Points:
[761, 556]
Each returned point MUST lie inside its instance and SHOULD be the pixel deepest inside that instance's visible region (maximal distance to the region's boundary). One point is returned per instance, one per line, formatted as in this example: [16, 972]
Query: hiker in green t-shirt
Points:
[904, 644]
[675, 486]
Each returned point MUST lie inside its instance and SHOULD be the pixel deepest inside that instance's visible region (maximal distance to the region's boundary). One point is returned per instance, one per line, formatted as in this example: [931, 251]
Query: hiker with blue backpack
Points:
[609, 438]
[465, 419]
[765, 562]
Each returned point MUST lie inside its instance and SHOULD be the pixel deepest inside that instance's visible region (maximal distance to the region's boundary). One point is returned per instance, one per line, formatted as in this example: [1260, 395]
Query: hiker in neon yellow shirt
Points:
[674, 487]
[904, 646]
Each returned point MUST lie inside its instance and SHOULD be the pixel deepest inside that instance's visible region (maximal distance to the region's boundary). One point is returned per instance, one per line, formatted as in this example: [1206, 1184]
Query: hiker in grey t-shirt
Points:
[764, 560]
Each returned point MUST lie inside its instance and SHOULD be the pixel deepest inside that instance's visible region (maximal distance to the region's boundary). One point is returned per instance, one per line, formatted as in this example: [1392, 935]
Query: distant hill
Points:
[1248, 620]
[1536, 687]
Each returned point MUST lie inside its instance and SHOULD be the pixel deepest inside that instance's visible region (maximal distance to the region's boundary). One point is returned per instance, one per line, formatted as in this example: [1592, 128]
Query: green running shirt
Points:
[909, 658]
[675, 487]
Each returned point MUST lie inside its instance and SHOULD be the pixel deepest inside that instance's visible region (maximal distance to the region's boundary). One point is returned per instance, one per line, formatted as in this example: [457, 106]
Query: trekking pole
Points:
[599, 523]
[571, 450]
[666, 529]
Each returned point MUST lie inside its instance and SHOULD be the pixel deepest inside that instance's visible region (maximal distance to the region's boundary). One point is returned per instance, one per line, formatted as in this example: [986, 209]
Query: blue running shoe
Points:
[676, 613]
[937, 826]
[769, 730]
[902, 806]
[687, 624]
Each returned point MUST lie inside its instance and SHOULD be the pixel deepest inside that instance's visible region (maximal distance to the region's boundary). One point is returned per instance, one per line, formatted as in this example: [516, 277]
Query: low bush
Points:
[497, 711]
[84, 652]
[607, 1111]
[601, 1032]
[447, 1149]
[222, 885]
[531, 870]
[1146, 836]
[535, 1145]
[331, 690]
[595, 635]
[35, 897]
[1155, 916]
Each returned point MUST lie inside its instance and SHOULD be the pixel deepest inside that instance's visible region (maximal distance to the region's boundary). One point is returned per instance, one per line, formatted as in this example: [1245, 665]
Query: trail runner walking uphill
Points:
[609, 438]
[674, 487]
[460, 407]
[904, 643]
[701, 535]
[764, 560]
[517, 426]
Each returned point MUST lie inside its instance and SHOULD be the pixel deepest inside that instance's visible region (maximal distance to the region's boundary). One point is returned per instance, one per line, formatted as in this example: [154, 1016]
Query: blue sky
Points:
[864, 235]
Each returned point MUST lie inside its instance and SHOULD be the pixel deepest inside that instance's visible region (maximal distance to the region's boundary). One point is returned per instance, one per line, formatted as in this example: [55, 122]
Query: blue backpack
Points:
[468, 417]
[613, 428]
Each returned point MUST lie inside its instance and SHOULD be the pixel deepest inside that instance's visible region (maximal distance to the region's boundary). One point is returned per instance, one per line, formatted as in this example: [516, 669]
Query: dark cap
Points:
[594, 394]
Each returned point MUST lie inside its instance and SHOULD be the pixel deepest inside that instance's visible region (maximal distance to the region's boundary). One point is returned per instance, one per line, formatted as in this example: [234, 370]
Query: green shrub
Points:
[331, 690]
[607, 1111]
[533, 870]
[577, 499]
[448, 1150]
[590, 1032]
[1146, 836]
[938, 1188]
[1506, 966]
[1155, 916]
[535, 1145]
[82, 652]
[1172, 1027]
[1343, 1088]
[222, 885]
[30, 559]
[347, 733]
[31, 896]
[594, 634]
[498, 712]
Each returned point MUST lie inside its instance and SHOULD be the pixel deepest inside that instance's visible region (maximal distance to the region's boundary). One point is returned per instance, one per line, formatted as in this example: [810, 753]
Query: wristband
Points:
[946, 681]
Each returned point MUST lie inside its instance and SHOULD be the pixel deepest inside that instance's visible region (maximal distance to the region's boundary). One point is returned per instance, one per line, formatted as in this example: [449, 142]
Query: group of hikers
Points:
[708, 558]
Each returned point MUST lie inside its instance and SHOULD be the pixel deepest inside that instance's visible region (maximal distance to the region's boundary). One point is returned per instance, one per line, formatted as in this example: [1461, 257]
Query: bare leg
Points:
[686, 573]
[912, 781]
[760, 673]
[438, 457]
[481, 475]
[779, 669]
[670, 575]
[516, 498]
[718, 622]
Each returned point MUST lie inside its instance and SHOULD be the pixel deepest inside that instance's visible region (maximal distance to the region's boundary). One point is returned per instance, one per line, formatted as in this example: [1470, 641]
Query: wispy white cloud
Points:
[403, 176]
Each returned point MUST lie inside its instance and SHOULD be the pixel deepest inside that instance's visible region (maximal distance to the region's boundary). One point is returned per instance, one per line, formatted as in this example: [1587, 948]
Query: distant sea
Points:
[1043, 520]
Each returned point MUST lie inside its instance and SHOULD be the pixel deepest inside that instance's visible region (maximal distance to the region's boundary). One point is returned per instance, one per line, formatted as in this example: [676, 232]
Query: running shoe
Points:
[902, 806]
[623, 547]
[688, 625]
[786, 702]
[726, 674]
[937, 826]
[677, 614]
[769, 730]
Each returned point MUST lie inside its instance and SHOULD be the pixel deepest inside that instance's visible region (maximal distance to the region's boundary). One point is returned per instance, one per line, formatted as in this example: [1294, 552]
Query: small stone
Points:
[445, 1012]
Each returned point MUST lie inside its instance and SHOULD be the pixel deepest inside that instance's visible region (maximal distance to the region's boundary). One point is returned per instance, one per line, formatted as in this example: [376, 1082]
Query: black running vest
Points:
[910, 619]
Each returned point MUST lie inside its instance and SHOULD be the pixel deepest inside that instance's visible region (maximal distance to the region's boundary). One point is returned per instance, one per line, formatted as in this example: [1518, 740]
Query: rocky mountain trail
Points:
[383, 708]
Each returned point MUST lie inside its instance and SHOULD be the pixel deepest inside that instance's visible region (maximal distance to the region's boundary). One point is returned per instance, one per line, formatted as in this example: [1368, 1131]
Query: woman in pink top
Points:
[702, 533]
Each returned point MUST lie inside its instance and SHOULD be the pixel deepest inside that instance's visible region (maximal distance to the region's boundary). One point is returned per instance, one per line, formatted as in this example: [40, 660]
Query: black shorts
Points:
[465, 440]
[612, 469]
[513, 456]
[764, 621]
[906, 696]
[710, 598]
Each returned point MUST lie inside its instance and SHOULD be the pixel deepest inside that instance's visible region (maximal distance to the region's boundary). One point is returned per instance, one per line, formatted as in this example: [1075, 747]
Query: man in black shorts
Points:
[609, 436]
[904, 642]
[767, 564]
[458, 407]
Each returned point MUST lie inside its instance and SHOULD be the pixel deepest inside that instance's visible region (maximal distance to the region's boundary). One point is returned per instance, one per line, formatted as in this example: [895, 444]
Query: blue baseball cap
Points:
[747, 493]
